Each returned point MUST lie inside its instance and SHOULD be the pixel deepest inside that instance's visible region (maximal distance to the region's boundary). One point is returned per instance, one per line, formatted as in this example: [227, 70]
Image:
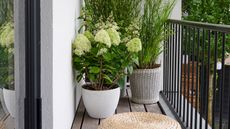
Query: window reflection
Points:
[7, 90]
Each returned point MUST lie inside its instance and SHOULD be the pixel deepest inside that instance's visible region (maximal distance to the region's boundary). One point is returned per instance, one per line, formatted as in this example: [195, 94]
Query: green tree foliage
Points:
[209, 11]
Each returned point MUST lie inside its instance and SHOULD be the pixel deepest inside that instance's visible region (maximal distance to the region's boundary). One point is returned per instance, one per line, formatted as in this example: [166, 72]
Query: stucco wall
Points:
[58, 25]
[177, 10]
[64, 23]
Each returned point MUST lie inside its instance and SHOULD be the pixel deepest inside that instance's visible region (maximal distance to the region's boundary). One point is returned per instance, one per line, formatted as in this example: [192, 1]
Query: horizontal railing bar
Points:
[209, 26]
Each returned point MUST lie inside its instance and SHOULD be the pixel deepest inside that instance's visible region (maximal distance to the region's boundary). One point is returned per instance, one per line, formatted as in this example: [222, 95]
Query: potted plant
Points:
[124, 16]
[145, 80]
[101, 55]
[7, 66]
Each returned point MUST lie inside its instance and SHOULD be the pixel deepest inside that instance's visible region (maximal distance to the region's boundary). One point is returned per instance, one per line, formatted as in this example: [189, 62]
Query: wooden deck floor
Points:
[6, 121]
[83, 121]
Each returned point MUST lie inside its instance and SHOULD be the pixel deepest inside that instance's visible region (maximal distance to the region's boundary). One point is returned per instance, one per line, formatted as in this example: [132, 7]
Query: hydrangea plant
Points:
[102, 55]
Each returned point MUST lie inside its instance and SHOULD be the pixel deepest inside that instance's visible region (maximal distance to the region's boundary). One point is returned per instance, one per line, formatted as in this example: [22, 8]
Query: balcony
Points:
[196, 79]
[195, 89]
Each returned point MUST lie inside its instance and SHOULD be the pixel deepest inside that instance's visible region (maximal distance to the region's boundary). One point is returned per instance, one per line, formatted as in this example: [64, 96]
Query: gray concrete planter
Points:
[145, 85]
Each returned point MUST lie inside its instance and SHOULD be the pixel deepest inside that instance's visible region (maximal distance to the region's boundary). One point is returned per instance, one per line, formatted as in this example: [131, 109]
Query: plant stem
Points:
[115, 80]
[100, 76]
[86, 72]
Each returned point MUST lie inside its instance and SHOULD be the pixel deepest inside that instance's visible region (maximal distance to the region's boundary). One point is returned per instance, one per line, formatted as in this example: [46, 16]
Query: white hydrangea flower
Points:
[134, 45]
[10, 50]
[114, 36]
[81, 45]
[102, 51]
[7, 35]
[78, 52]
[115, 26]
[103, 37]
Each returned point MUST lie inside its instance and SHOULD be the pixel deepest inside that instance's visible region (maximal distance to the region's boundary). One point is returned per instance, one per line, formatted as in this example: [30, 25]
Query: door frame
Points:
[33, 101]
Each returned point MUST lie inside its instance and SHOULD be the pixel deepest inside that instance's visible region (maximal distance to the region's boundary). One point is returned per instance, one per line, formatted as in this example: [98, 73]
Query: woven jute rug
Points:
[139, 120]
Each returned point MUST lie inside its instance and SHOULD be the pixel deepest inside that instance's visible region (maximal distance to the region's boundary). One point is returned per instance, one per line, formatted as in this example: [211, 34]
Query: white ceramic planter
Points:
[100, 104]
[3, 101]
[145, 85]
[9, 98]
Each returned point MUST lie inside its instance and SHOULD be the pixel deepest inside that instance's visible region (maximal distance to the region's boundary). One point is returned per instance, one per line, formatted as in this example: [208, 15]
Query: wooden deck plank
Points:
[134, 106]
[153, 108]
[2, 125]
[123, 105]
[79, 116]
[90, 123]
[9, 123]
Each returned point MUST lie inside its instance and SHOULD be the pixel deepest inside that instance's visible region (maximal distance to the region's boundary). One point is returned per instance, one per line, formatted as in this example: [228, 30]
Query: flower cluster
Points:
[132, 31]
[102, 51]
[103, 37]
[108, 24]
[7, 35]
[107, 37]
[134, 45]
[114, 36]
[81, 45]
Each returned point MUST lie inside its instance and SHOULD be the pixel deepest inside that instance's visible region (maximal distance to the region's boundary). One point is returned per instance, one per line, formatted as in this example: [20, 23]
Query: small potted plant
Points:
[101, 55]
[145, 80]
[7, 66]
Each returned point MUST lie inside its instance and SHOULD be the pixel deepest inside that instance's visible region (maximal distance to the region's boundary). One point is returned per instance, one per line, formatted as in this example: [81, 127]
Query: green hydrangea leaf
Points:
[94, 70]
[107, 57]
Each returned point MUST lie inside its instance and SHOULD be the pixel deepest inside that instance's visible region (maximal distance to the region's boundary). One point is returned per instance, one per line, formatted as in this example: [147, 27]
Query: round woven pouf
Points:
[139, 120]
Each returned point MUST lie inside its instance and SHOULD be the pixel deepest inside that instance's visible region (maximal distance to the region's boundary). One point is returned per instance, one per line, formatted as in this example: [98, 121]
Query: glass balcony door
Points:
[20, 64]
[7, 53]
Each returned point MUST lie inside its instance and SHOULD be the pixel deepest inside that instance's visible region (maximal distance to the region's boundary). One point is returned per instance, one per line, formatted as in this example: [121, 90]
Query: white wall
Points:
[64, 20]
[78, 84]
[177, 10]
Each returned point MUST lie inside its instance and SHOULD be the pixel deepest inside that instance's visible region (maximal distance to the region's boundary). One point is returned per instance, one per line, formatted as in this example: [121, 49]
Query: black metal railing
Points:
[196, 74]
